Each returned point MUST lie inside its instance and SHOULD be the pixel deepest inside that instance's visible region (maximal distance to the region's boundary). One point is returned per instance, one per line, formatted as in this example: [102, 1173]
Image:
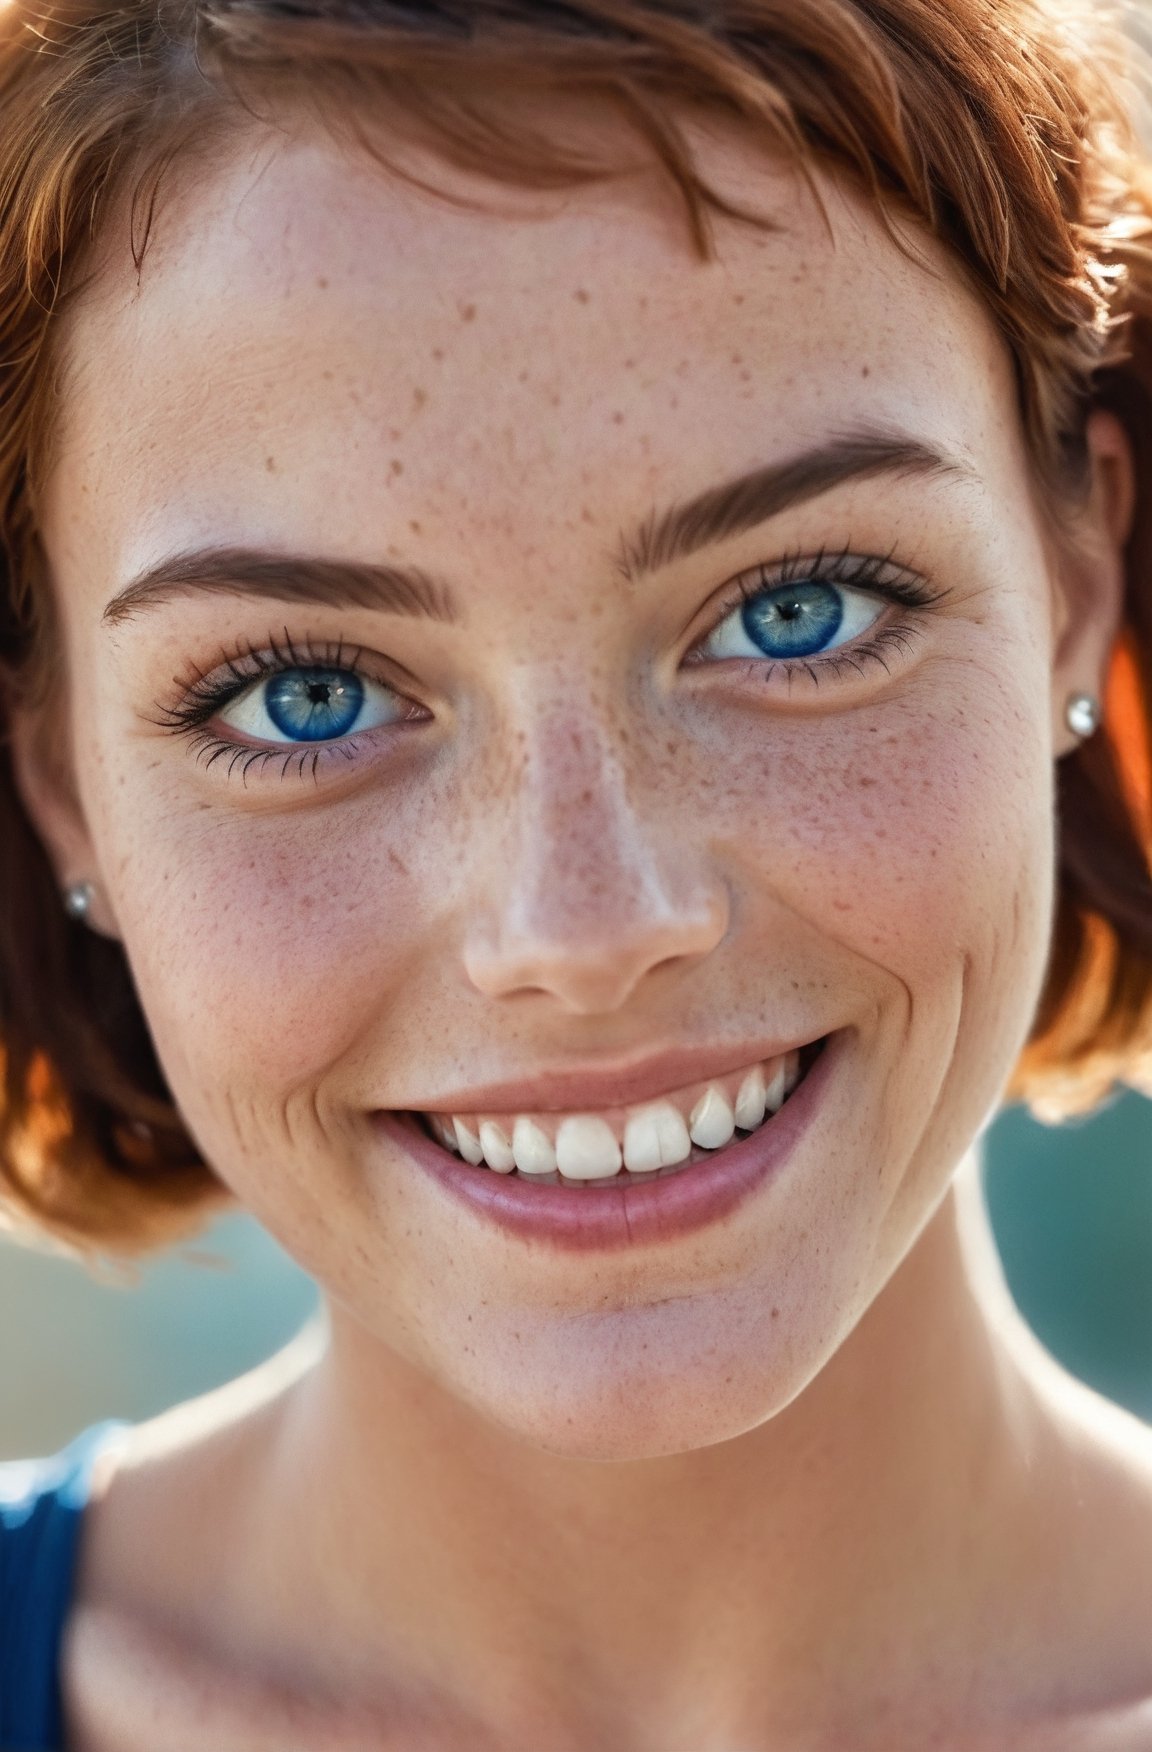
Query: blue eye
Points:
[311, 703]
[796, 619]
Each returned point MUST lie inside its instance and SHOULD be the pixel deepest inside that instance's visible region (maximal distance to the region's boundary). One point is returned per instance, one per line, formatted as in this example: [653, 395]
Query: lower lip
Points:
[601, 1217]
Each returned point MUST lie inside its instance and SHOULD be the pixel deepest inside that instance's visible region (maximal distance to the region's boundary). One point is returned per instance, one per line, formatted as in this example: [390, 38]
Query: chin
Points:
[602, 1408]
[614, 1429]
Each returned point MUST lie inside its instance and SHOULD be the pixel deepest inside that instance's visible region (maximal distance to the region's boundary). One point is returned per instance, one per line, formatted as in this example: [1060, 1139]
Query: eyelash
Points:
[878, 574]
[202, 697]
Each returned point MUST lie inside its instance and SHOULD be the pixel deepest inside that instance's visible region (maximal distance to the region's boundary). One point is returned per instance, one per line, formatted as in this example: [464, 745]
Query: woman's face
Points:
[489, 769]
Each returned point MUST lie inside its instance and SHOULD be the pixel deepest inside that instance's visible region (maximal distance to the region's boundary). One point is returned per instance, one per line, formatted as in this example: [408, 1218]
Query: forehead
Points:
[315, 347]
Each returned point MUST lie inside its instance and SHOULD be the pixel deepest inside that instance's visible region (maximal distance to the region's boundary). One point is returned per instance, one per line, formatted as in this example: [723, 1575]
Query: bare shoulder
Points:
[1105, 1455]
[163, 1526]
[132, 1686]
[170, 1495]
[146, 1663]
[1099, 1522]
[139, 1676]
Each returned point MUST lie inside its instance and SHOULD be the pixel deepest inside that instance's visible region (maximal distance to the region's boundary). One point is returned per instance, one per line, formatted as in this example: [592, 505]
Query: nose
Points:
[595, 887]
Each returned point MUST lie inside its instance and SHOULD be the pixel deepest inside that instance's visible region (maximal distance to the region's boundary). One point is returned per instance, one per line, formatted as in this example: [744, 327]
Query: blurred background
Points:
[1070, 1208]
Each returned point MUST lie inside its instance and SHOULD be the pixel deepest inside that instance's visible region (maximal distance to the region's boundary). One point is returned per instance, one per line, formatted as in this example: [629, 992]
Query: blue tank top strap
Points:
[41, 1507]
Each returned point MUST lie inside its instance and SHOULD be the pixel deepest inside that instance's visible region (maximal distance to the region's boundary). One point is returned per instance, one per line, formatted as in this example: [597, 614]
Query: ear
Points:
[1091, 607]
[42, 769]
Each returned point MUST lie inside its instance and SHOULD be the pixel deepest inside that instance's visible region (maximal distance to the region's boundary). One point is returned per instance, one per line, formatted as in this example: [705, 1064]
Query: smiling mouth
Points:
[619, 1146]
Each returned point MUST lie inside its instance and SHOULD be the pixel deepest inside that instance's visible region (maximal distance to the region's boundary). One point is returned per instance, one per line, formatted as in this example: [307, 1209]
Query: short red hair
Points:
[999, 125]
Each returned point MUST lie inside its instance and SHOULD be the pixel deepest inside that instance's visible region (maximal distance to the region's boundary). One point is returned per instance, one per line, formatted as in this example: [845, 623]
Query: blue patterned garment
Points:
[41, 1507]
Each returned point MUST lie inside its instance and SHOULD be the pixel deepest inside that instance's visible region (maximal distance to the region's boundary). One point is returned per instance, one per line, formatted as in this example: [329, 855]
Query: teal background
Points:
[1071, 1209]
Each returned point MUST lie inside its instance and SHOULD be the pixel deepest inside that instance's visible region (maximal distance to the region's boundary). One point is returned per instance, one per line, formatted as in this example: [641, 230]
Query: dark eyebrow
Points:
[739, 505]
[711, 517]
[284, 578]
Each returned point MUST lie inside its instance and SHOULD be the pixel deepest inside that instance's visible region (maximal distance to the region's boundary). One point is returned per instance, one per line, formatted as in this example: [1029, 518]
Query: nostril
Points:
[597, 883]
[592, 960]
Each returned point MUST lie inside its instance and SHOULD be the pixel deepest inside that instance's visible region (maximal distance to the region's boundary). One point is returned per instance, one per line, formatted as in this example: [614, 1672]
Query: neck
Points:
[867, 1519]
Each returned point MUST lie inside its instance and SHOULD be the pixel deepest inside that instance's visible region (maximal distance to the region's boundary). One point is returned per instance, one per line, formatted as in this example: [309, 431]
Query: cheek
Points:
[911, 833]
[269, 950]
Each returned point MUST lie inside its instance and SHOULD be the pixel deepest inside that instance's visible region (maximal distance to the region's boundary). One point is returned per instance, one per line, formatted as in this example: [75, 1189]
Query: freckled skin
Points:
[591, 849]
[559, 851]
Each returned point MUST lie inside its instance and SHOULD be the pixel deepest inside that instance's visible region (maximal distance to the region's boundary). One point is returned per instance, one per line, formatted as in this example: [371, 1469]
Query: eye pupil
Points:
[794, 620]
[314, 704]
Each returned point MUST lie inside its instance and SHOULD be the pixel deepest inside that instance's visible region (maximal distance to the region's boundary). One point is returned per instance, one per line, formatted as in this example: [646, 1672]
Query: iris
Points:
[314, 704]
[793, 620]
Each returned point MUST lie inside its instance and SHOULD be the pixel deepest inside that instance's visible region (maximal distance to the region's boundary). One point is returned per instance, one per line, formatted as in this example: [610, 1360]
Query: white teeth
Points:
[777, 1086]
[497, 1150]
[712, 1122]
[467, 1143]
[443, 1132]
[532, 1148]
[750, 1101]
[655, 1137]
[642, 1142]
[656, 1134]
[586, 1148]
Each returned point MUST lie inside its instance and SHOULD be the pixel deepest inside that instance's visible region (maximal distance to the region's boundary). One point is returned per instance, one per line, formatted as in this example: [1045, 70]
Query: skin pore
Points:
[787, 1480]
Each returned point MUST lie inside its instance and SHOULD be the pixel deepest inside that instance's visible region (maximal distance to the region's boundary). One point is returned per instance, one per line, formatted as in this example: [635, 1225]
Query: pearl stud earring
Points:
[1082, 714]
[78, 898]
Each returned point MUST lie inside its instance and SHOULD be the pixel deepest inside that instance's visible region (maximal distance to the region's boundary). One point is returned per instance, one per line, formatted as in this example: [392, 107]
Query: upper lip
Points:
[571, 1089]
